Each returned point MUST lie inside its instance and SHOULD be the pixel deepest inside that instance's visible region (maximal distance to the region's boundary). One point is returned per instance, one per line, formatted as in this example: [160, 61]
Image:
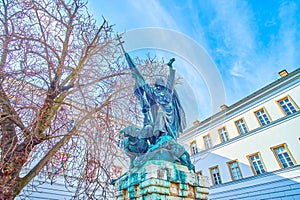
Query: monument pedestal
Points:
[162, 180]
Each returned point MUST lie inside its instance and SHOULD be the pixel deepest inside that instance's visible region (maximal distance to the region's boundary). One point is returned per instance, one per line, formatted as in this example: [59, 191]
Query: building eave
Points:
[243, 102]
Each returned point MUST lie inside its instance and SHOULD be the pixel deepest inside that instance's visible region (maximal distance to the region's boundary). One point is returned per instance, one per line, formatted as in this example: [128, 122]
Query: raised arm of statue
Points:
[171, 79]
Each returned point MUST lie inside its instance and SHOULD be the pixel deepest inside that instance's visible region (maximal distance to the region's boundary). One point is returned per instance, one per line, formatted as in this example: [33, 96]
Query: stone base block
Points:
[162, 180]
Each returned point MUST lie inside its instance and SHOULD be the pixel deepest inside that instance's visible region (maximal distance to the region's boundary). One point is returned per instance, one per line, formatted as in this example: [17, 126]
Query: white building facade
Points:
[251, 149]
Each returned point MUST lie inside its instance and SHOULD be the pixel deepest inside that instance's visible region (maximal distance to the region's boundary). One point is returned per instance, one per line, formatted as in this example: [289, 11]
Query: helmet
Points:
[159, 82]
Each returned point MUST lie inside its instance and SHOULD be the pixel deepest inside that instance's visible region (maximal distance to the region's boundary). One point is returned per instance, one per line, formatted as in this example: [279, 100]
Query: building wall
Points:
[260, 141]
[278, 185]
[283, 129]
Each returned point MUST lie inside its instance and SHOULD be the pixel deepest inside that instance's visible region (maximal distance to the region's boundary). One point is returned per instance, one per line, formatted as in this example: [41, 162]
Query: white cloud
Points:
[238, 70]
[235, 26]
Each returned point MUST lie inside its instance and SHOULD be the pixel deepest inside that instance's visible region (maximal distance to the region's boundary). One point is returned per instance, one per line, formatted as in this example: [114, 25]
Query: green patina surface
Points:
[160, 179]
[168, 172]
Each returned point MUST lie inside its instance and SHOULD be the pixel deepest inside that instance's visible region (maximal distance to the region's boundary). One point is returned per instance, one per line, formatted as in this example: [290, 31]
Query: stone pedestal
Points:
[162, 180]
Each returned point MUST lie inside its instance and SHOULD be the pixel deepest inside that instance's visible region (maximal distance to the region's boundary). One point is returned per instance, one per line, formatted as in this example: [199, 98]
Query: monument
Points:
[160, 168]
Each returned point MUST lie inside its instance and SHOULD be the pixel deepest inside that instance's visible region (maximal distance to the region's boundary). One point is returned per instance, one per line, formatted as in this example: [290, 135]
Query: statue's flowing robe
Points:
[167, 113]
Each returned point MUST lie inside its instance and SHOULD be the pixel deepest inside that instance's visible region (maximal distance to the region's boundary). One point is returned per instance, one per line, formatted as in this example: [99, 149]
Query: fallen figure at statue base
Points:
[165, 148]
[139, 151]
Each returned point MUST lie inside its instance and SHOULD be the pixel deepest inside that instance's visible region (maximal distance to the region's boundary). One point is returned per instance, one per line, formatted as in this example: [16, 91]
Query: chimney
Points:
[283, 73]
[223, 107]
[196, 122]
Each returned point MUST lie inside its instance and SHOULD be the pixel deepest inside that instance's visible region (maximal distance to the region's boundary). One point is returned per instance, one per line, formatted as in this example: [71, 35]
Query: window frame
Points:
[62, 159]
[243, 119]
[13, 99]
[191, 147]
[121, 140]
[230, 171]
[288, 152]
[204, 140]
[98, 135]
[267, 114]
[251, 163]
[114, 173]
[90, 171]
[291, 101]
[199, 172]
[71, 124]
[212, 177]
[219, 132]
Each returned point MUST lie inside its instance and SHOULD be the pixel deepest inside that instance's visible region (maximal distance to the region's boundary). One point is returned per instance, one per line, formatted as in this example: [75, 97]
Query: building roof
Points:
[247, 100]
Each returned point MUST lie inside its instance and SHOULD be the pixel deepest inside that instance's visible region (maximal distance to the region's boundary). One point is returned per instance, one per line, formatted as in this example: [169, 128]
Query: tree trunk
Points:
[11, 184]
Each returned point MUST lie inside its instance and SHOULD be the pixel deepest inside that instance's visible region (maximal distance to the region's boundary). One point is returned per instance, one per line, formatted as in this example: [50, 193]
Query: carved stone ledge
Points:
[162, 180]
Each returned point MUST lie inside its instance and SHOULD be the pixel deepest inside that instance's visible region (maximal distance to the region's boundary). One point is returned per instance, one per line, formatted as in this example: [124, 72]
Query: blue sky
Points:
[248, 41]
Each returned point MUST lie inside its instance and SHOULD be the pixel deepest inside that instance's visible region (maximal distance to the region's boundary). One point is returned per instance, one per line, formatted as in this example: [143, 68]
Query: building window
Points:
[283, 156]
[98, 135]
[241, 126]
[234, 170]
[71, 125]
[91, 170]
[193, 147]
[121, 140]
[256, 163]
[199, 172]
[223, 134]
[262, 117]
[215, 175]
[207, 141]
[12, 99]
[116, 171]
[287, 105]
[59, 162]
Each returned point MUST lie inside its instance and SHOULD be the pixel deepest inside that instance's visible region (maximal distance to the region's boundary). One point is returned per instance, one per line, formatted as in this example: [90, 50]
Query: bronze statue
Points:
[164, 120]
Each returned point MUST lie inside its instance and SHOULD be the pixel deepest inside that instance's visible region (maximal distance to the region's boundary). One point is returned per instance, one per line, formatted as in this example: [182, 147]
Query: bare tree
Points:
[59, 88]
[64, 96]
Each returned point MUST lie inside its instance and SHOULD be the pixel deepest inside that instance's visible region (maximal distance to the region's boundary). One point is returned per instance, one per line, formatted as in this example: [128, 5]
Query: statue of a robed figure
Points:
[160, 168]
[164, 120]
